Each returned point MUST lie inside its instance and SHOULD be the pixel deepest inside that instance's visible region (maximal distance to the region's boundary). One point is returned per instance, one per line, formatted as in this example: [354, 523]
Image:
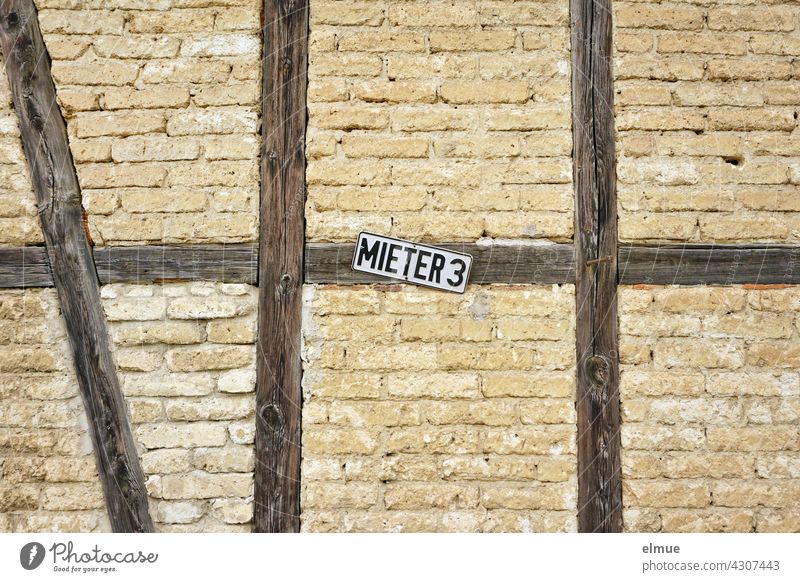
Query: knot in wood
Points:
[12, 20]
[285, 283]
[272, 419]
[598, 370]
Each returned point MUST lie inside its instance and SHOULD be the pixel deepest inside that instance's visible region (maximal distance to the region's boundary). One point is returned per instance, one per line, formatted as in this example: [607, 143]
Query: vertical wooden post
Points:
[280, 274]
[58, 196]
[594, 174]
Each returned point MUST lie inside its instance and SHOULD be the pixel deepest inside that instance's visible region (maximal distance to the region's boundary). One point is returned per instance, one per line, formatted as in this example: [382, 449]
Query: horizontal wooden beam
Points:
[226, 263]
[330, 263]
[709, 264]
[512, 263]
[28, 266]
[24, 267]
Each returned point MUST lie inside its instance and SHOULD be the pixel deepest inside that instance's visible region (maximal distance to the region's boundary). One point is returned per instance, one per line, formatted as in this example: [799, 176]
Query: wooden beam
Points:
[709, 264]
[280, 275]
[329, 263]
[58, 197]
[24, 267]
[594, 175]
[226, 263]
[512, 264]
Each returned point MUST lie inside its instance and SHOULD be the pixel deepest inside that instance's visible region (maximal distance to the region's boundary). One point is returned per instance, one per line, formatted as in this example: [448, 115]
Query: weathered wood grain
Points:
[281, 246]
[512, 264]
[594, 175]
[709, 264]
[58, 197]
[24, 267]
[226, 263]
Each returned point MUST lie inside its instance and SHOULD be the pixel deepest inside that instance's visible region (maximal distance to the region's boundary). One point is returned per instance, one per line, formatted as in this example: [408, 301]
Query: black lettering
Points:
[410, 252]
[392, 258]
[459, 273]
[366, 253]
[436, 267]
[421, 265]
[383, 256]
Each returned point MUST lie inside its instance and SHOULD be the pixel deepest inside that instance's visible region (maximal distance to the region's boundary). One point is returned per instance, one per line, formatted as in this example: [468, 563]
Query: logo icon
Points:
[31, 555]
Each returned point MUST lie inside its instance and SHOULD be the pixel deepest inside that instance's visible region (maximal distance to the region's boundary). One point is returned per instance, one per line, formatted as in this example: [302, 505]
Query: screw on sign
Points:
[412, 262]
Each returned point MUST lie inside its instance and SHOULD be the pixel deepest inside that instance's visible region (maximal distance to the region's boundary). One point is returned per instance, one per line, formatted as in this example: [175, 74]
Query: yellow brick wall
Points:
[710, 408]
[48, 478]
[426, 411]
[186, 362]
[706, 104]
[162, 103]
[443, 121]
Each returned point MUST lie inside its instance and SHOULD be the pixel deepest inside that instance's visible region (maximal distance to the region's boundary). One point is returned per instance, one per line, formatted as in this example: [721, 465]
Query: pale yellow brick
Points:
[348, 117]
[166, 332]
[200, 485]
[534, 117]
[382, 42]
[425, 14]
[172, 21]
[212, 408]
[432, 119]
[171, 384]
[145, 98]
[232, 94]
[345, 64]
[485, 92]
[233, 18]
[668, 493]
[159, 436]
[212, 120]
[748, 70]
[660, 438]
[185, 70]
[448, 66]
[232, 331]
[323, 440]
[326, 90]
[472, 41]
[136, 47]
[82, 99]
[325, 384]
[660, 16]
[394, 91]
[539, 440]
[741, 18]
[500, 13]
[100, 72]
[633, 42]
[660, 68]
[767, 438]
[358, 414]
[81, 22]
[368, 146]
[119, 124]
[430, 495]
[715, 520]
[122, 176]
[208, 358]
[704, 43]
[533, 496]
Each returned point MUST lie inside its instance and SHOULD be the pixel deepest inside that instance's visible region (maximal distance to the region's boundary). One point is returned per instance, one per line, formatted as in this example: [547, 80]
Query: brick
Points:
[100, 72]
[661, 16]
[208, 358]
[486, 92]
[472, 41]
[158, 436]
[200, 485]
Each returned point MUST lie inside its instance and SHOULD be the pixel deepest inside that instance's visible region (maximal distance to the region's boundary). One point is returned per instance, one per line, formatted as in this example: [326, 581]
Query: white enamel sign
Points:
[412, 262]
